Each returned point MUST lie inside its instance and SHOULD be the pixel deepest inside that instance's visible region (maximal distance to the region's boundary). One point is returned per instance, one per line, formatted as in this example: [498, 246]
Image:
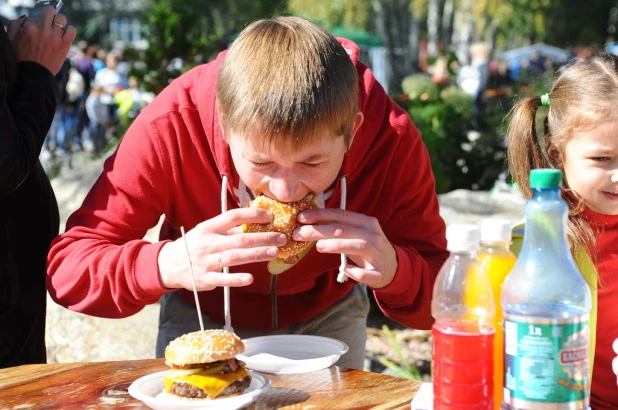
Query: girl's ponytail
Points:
[524, 150]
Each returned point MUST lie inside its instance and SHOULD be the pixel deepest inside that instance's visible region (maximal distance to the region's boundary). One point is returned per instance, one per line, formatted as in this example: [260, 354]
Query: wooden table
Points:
[104, 385]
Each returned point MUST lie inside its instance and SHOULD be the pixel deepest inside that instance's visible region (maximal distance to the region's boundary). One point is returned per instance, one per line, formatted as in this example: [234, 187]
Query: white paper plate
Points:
[291, 354]
[148, 387]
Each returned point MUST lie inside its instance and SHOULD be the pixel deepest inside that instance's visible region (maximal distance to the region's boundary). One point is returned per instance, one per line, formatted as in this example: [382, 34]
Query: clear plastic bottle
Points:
[462, 333]
[546, 304]
[497, 260]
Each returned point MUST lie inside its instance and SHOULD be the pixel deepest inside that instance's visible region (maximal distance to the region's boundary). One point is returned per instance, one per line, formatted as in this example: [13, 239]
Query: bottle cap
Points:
[496, 230]
[545, 178]
[462, 237]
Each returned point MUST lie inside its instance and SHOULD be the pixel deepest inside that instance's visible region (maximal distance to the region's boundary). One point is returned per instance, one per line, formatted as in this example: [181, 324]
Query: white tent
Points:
[527, 52]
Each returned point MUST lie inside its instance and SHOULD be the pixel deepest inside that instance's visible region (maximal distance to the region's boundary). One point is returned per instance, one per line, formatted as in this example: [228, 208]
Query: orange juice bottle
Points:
[497, 260]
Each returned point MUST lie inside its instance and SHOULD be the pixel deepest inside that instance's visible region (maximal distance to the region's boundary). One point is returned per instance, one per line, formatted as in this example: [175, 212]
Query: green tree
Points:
[173, 30]
[353, 14]
[502, 24]
[522, 21]
[92, 18]
[573, 22]
[184, 33]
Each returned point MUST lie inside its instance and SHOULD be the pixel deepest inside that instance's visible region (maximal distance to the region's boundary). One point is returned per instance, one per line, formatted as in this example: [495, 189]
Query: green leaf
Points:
[408, 370]
[398, 371]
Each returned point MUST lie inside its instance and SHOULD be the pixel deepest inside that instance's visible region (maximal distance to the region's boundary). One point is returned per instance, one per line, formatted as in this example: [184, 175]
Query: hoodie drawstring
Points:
[226, 269]
[342, 276]
[273, 302]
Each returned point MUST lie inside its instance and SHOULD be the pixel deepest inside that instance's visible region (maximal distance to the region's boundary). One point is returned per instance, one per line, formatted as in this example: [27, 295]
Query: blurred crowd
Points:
[98, 98]
[485, 77]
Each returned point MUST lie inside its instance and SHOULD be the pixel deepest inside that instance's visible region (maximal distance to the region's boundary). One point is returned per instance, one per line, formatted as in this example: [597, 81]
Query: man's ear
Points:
[220, 120]
[358, 121]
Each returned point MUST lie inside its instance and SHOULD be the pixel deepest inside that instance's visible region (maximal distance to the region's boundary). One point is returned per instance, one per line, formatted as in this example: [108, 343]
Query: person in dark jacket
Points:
[32, 51]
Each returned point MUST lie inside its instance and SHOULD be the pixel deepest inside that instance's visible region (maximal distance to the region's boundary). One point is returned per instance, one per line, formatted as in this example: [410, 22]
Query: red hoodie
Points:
[171, 162]
[604, 393]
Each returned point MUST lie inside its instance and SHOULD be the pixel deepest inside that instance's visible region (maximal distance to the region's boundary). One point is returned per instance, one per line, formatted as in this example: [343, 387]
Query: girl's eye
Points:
[600, 159]
[314, 165]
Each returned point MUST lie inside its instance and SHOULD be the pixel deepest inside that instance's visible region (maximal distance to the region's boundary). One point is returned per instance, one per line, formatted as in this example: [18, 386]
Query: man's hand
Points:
[358, 236]
[45, 41]
[216, 243]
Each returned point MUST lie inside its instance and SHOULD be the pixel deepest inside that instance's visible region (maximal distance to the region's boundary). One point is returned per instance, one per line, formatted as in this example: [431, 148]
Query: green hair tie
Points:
[545, 100]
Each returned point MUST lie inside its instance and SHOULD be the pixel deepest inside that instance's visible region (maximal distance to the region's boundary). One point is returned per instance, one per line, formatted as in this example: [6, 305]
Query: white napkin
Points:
[269, 363]
[423, 399]
[267, 358]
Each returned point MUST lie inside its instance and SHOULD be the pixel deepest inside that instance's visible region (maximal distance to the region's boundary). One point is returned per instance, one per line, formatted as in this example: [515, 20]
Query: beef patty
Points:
[186, 390]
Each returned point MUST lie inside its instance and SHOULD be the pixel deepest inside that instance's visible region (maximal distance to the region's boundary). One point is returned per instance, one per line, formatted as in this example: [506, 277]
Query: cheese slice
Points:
[211, 384]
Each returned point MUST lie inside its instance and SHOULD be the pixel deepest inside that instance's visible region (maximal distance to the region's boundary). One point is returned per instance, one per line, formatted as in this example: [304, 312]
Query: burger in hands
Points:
[284, 221]
[204, 366]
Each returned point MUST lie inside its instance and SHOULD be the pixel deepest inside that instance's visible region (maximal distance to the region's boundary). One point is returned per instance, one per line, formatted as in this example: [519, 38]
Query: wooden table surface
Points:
[104, 385]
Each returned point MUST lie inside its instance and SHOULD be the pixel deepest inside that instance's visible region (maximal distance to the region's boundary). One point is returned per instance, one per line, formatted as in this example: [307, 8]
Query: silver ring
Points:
[219, 261]
[59, 25]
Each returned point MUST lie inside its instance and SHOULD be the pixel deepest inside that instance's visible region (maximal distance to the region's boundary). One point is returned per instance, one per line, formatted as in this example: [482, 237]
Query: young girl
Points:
[581, 139]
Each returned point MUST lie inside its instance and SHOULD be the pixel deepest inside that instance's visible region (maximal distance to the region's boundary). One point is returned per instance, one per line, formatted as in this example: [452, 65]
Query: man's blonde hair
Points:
[289, 82]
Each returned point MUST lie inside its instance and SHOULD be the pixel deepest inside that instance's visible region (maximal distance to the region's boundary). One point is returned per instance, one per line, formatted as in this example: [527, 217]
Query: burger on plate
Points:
[204, 366]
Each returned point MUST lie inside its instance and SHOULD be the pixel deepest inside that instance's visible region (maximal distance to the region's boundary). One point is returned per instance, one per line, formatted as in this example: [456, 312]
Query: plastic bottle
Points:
[546, 304]
[462, 333]
[497, 260]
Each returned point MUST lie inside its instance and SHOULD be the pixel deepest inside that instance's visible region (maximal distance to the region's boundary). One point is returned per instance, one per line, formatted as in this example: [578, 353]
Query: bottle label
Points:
[546, 361]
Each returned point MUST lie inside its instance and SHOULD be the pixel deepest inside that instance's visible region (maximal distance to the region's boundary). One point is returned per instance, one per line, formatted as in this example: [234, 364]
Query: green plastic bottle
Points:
[546, 304]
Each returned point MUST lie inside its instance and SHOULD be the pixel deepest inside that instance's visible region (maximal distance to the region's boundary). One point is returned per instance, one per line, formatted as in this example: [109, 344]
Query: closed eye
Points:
[260, 164]
[600, 159]
[316, 165]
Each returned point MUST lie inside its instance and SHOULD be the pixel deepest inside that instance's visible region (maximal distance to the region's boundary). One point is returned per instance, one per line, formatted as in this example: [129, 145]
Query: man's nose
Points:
[285, 190]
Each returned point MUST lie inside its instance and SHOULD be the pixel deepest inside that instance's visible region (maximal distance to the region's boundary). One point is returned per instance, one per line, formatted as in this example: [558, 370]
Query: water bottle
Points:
[546, 304]
[462, 334]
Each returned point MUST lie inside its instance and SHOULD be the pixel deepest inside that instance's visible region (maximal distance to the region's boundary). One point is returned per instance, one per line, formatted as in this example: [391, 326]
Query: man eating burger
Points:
[287, 112]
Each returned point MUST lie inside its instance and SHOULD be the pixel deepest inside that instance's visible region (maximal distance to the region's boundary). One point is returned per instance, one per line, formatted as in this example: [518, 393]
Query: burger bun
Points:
[203, 347]
[284, 221]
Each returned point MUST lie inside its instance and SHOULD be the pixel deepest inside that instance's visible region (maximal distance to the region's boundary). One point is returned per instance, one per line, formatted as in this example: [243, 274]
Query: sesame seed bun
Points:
[203, 347]
[284, 221]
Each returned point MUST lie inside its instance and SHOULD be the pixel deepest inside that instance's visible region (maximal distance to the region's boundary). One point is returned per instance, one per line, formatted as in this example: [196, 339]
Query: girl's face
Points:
[591, 167]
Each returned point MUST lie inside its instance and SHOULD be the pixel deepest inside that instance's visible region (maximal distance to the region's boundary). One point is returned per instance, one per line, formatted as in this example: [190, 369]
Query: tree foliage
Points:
[92, 18]
[194, 30]
[353, 14]
[573, 22]
[184, 33]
